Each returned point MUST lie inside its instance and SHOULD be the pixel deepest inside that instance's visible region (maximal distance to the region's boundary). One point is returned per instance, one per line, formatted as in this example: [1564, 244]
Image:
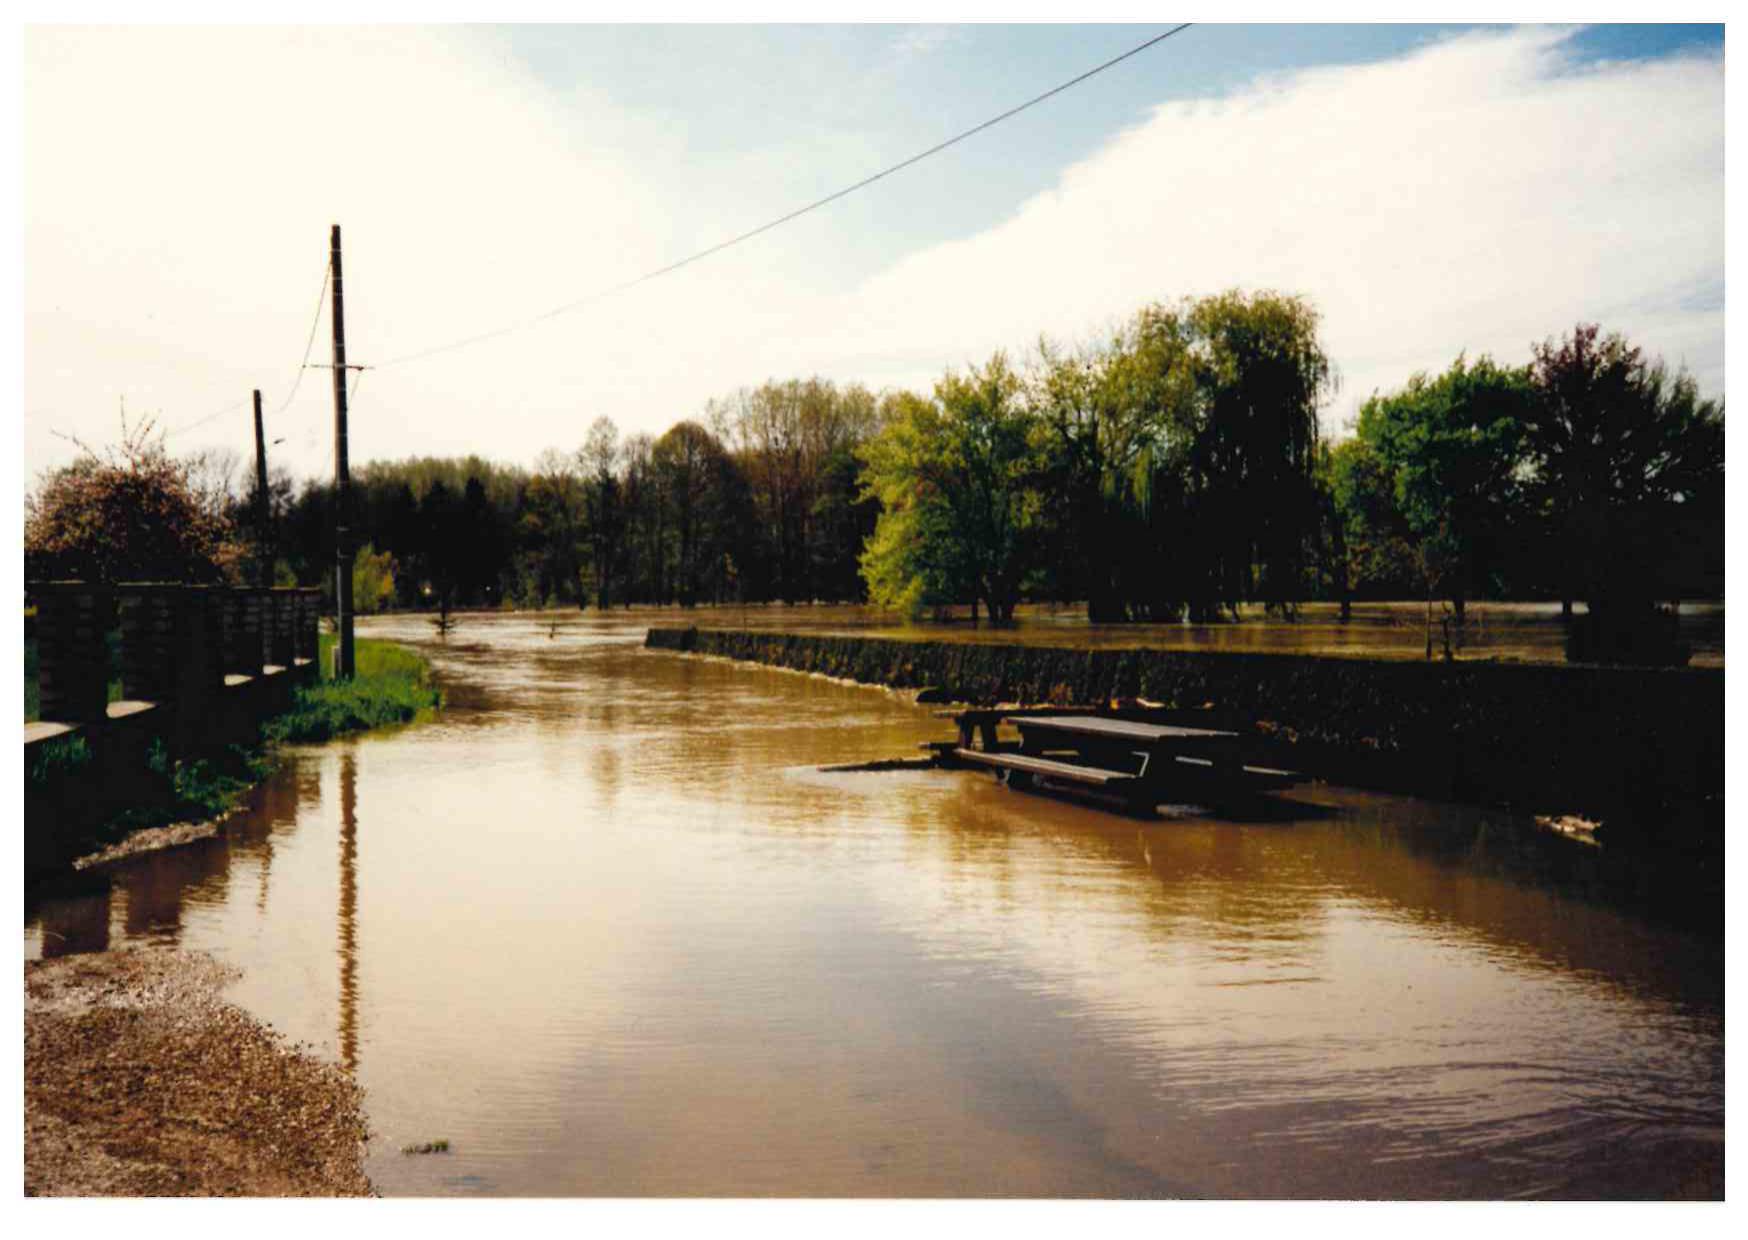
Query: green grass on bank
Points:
[392, 685]
[164, 790]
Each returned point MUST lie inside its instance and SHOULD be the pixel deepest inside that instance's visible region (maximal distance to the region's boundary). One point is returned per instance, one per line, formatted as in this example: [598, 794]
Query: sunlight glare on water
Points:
[605, 928]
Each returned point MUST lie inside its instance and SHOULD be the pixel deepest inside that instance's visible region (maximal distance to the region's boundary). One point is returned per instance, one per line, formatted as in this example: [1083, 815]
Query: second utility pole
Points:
[263, 526]
[343, 656]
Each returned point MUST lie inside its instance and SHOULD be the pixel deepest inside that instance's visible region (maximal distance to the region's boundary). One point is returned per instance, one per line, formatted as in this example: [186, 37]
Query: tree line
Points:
[757, 501]
[1175, 470]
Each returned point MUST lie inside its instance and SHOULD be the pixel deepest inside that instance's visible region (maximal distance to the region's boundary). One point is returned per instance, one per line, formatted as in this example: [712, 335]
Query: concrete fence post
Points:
[257, 625]
[200, 672]
[241, 632]
[72, 625]
[151, 622]
[282, 634]
[309, 614]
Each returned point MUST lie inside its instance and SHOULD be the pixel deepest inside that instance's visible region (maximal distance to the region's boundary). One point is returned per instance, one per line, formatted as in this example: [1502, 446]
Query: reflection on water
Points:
[606, 929]
[349, 910]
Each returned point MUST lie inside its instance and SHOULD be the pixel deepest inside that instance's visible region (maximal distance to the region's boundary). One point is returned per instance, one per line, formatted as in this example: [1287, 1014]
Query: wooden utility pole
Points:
[263, 527]
[344, 664]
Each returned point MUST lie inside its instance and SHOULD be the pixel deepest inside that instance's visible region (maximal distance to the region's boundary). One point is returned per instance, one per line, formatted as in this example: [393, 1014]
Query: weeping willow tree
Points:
[1249, 469]
[1180, 459]
[1107, 423]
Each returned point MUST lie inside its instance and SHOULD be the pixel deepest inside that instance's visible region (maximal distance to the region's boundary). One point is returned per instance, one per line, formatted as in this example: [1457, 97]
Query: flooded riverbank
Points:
[605, 929]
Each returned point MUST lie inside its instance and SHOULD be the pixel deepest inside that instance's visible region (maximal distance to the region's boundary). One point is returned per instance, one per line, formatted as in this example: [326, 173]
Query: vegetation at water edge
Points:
[392, 685]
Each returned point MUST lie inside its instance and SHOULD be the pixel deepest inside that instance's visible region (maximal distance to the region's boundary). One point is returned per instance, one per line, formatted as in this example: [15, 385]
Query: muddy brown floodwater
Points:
[604, 929]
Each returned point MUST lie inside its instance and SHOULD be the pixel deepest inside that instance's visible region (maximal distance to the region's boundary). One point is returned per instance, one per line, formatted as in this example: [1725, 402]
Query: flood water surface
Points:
[606, 929]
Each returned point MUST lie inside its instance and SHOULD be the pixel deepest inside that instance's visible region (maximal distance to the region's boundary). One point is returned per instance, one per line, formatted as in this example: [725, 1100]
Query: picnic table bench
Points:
[1046, 766]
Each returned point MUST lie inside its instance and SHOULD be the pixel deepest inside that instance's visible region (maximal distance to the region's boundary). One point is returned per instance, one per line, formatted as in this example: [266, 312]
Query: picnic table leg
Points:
[987, 729]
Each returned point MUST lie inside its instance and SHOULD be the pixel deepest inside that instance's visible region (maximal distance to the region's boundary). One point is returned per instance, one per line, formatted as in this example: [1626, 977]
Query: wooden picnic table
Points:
[1139, 763]
[1124, 743]
[1126, 730]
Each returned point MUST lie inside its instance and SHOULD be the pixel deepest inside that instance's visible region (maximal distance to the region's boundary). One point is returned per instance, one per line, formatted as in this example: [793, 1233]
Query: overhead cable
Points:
[782, 219]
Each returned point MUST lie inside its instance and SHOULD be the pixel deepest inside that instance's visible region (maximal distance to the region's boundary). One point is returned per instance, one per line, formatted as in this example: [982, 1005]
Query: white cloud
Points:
[1475, 195]
[923, 40]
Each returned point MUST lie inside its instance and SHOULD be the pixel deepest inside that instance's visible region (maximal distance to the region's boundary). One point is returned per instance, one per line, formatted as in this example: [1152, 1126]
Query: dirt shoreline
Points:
[140, 1079]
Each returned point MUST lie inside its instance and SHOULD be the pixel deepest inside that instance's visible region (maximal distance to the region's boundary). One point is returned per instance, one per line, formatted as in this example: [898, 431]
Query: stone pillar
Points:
[72, 622]
[282, 633]
[309, 623]
[241, 640]
[151, 620]
[200, 670]
[259, 621]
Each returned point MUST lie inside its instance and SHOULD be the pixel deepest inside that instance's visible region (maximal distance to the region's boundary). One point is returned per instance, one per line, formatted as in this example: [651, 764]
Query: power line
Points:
[236, 404]
[219, 413]
[784, 219]
[309, 344]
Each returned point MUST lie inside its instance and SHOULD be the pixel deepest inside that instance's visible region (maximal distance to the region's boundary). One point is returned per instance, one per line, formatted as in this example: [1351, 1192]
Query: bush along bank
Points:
[79, 800]
[1640, 748]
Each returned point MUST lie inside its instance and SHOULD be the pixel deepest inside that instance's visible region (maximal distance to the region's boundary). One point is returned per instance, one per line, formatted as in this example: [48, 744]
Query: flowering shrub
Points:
[134, 513]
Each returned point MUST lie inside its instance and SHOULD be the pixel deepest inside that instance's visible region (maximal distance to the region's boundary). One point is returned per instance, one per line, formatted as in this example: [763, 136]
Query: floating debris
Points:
[1583, 830]
[426, 1147]
[883, 764]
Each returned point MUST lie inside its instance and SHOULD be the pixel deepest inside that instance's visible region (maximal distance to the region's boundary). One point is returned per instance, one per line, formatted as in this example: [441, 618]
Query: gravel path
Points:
[140, 1080]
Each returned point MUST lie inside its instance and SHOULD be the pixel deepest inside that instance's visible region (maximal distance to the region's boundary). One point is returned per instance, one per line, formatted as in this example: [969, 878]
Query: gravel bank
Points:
[151, 839]
[140, 1080]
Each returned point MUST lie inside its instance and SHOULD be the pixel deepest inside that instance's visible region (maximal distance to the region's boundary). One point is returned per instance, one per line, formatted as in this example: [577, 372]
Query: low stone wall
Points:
[1637, 746]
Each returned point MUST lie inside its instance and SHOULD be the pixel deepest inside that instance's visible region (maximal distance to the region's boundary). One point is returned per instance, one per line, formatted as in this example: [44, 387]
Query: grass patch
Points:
[193, 789]
[32, 691]
[59, 758]
[393, 685]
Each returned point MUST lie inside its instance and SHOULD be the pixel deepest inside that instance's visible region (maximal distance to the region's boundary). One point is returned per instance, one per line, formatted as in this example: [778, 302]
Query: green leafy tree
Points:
[1378, 550]
[373, 579]
[1621, 448]
[1453, 448]
[956, 481]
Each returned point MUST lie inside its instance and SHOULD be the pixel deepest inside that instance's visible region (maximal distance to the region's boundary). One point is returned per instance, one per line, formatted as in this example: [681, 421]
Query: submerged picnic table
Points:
[1138, 763]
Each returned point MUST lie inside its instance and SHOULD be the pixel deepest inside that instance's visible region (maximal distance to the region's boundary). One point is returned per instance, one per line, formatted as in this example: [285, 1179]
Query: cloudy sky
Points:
[1432, 190]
